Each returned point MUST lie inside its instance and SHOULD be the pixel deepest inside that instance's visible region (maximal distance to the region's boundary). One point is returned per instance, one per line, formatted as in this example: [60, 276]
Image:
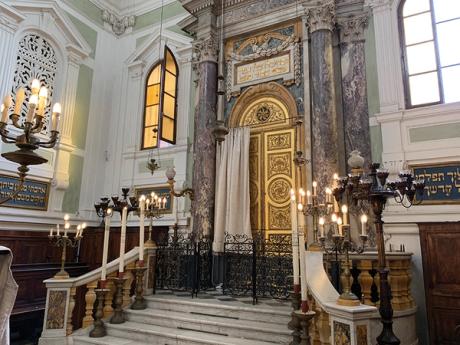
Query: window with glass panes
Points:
[430, 30]
[161, 104]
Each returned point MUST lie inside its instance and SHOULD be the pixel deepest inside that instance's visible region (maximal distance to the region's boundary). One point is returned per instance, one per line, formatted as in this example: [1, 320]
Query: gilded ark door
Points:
[272, 172]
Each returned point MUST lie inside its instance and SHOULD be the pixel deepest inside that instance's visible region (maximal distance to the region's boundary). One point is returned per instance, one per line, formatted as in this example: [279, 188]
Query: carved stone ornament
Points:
[254, 9]
[119, 24]
[352, 28]
[321, 17]
[206, 49]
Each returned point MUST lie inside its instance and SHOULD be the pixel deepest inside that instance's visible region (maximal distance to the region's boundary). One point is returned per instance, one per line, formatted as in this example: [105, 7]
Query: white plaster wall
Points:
[398, 149]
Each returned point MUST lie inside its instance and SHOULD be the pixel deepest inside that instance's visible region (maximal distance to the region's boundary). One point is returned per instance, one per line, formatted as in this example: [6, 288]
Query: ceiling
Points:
[131, 7]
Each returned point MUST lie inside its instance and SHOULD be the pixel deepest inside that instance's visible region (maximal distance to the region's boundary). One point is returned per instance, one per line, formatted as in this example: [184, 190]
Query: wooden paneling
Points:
[440, 244]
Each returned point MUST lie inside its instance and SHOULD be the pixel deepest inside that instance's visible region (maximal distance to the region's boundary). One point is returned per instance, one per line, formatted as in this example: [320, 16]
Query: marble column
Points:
[354, 86]
[204, 147]
[325, 160]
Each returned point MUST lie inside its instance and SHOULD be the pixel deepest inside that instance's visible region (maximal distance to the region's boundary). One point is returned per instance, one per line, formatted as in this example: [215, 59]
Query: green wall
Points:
[437, 132]
[88, 33]
[154, 16]
[83, 100]
[72, 194]
[87, 8]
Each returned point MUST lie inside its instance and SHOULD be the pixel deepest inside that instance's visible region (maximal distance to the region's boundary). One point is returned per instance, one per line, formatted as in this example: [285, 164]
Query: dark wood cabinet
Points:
[440, 244]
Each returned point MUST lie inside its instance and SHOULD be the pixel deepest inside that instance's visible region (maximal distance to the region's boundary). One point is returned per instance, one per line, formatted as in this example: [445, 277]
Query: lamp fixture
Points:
[28, 141]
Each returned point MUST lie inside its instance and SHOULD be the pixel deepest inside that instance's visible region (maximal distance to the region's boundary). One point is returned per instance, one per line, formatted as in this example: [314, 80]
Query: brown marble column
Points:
[321, 20]
[354, 86]
[204, 147]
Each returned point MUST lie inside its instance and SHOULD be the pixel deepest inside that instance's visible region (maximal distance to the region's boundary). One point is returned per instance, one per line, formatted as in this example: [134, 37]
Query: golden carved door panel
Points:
[279, 179]
[271, 179]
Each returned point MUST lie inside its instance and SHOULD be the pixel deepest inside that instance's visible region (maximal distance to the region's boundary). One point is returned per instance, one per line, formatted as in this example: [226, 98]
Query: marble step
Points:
[267, 331]
[262, 313]
[130, 333]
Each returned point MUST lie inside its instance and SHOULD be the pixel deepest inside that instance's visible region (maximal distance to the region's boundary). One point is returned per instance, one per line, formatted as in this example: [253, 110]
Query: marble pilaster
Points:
[354, 86]
[325, 158]
[204, 168]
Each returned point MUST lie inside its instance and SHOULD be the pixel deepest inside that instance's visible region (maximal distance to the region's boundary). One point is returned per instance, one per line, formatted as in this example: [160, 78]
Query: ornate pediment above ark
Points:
[270, 55]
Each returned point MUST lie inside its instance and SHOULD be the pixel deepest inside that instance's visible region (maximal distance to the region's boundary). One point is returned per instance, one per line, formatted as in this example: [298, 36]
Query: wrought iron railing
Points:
[258, 266]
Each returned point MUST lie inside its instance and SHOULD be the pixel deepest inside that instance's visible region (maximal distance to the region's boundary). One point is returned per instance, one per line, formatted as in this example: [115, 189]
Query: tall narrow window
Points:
[431, 51]
[161, 103]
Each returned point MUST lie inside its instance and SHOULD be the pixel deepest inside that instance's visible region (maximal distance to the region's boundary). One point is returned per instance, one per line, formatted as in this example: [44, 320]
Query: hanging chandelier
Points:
[28, 141]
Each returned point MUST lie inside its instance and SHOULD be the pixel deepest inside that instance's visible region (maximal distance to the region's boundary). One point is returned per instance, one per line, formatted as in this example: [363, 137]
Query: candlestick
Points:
[345, 214]
[141, 229]
[105, 250]
[363, 225]
[303, 279]
[295, 242]
[124, 216]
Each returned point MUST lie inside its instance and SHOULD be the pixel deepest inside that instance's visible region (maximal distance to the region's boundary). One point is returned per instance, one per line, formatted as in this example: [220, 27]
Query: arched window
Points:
[161, 103]
[430, 43]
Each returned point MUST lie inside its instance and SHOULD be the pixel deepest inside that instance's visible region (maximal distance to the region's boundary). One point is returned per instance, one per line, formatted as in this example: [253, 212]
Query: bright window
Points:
[161, 104]
[429, 30]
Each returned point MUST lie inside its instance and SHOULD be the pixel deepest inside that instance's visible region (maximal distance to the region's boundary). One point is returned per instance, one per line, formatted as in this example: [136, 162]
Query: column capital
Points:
[375, 4]
[206, 48]
[352, 28]
[321, 17]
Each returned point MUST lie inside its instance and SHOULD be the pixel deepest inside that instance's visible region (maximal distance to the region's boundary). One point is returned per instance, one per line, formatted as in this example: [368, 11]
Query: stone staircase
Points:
[213, 320]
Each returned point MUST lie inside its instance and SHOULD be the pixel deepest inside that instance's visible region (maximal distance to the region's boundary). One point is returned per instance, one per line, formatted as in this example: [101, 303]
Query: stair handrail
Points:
[130, 257]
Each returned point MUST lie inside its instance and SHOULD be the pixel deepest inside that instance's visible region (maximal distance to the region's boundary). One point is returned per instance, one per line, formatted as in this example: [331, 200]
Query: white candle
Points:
[20, 95]
[57, 230]
[301, 196]
[141, 229]
[6, 106]
[124, 216]
[308, 197]
[315, 184]
[335, 178]
[105, 250]
[328, 195]
[364, 225]
[35, 87]
[321, 226]
[83, 227]
[345, 214]
[339, 224]
[42, 97]
[51, 232]
[303, 273]
[66, 227]
[336, 206]
[33, 101]
[295, 242]
[55, 116]
[77, 234]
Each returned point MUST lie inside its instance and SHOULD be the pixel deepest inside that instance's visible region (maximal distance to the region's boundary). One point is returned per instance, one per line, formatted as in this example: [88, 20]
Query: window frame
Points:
[405, 66]
[162, 64]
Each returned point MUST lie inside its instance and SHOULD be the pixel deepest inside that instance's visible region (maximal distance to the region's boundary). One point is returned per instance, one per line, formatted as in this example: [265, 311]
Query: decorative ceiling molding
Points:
[119, 24]
[123, 8]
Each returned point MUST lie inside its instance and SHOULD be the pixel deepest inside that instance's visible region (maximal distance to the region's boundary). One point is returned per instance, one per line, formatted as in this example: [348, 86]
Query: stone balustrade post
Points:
[90, 298]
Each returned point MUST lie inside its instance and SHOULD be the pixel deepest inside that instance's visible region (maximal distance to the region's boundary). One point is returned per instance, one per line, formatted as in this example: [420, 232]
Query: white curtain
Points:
[232, 209]
[8, 291]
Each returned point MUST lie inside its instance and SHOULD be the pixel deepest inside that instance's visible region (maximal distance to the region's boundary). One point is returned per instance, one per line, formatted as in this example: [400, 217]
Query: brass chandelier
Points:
[28, 141]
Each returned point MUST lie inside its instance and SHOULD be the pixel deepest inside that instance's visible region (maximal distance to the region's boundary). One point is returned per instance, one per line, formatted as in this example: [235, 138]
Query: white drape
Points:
[8, 291]
[232, 208]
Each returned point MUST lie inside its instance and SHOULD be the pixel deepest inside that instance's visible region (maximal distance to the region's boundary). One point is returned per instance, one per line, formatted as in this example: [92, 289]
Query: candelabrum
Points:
[63, 241]
[27, 141]
[375, 189]
[117, 204]
[154, 209]
[170, 174]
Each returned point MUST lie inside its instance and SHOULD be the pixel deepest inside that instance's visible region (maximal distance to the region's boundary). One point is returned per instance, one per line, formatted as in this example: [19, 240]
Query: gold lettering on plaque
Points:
[263, 69]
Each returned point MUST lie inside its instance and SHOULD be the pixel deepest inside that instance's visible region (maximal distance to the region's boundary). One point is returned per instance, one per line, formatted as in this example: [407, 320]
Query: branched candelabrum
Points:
[154, 209]
[375, 188]
[64, 240]
[116, 204]
[27, 141]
